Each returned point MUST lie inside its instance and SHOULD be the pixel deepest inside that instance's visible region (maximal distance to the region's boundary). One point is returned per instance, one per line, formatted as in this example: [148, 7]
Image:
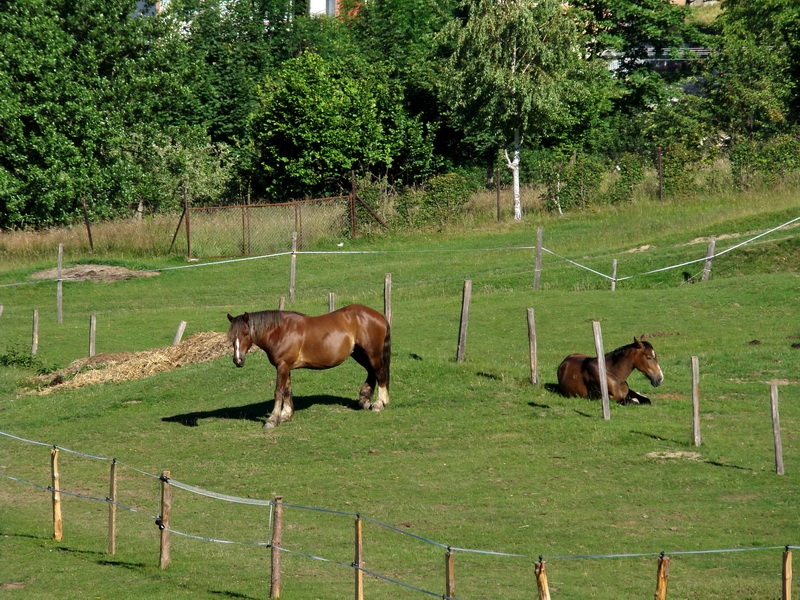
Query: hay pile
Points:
[124, 366]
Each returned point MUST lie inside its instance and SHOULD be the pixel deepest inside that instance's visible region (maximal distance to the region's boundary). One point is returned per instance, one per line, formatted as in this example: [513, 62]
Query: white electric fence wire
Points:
[344, 252]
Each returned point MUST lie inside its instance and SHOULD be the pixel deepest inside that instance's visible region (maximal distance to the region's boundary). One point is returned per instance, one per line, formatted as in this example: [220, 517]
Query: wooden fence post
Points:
[55, 485]
[179, 333]
[35, 335]
[60, 285]
[1, 310]
[661, 577]
[450, 574]
[787, 575]
[331, 302]
[601, 369]
[709, 255]
[541, 580]
[537, 273]
[387, 297]
[92, 334]
[163, 521]
[462, 332]
[695, 401]
[776, 428]
[358, 562]
[293, 268]
[533, 347]
[112, 509]
[282, 303]
[277, 540]
[614, 275]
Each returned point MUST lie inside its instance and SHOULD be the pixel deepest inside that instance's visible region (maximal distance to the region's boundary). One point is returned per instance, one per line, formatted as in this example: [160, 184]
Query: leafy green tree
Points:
[77, 79]
[318, 119]
[231, 45]
[773, 26]
[748, 87]
[509, 73]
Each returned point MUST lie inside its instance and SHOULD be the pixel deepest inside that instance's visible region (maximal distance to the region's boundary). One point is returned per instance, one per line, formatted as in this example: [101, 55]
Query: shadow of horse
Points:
[258, 411]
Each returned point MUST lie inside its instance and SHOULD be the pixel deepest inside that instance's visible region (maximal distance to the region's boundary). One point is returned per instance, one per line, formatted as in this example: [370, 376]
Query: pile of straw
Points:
[124, 366]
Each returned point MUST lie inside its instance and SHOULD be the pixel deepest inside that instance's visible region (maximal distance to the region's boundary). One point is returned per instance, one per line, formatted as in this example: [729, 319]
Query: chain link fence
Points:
[257, 229]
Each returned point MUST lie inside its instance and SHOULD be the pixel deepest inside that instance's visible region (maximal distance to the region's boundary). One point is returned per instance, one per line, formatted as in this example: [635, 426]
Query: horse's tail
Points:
[386, 354]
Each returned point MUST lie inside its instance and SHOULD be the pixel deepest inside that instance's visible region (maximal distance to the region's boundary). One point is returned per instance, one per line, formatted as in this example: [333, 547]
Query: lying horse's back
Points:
[571, 379]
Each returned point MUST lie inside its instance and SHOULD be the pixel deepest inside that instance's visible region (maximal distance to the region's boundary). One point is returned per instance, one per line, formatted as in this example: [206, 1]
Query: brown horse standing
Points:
[296, 341]
[578, 374]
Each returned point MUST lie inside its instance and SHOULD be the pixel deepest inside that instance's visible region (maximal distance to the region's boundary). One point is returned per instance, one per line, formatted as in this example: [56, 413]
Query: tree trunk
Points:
[514, 166]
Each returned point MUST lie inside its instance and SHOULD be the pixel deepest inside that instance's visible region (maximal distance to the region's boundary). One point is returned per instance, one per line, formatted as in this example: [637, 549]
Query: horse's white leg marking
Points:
[383, 399]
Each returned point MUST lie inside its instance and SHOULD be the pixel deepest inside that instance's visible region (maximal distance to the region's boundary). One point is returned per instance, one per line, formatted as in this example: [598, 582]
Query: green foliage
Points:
[747, 87]
[576, 183]
[77, 82]
[17, 356]
[772, 24]
[765, 161]
[318, 120]
[508, 70]
[229, 47]
[630, 169]
[438, 202]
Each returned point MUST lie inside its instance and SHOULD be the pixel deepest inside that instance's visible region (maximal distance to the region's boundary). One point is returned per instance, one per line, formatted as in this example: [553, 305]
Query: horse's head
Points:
[239, 335]
[644, 359]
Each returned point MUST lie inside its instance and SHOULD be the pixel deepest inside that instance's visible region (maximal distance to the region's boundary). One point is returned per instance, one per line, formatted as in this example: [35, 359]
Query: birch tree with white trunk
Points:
[507, 74]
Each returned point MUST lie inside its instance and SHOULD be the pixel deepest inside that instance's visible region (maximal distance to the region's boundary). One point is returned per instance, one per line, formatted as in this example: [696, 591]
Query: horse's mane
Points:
[620, 352]
[266, 320]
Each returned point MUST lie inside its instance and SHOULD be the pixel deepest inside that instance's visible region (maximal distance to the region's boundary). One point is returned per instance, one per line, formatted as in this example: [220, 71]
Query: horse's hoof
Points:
[269, 425]
[377, 407]
[645, 401]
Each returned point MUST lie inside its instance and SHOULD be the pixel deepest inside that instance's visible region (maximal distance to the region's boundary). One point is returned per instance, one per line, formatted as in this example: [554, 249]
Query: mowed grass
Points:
[469, 455]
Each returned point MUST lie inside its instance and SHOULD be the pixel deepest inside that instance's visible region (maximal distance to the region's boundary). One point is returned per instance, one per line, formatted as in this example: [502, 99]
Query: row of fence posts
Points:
[276, 542]
[293, 278]
[92, 333]
[597, 333]
[462, 342]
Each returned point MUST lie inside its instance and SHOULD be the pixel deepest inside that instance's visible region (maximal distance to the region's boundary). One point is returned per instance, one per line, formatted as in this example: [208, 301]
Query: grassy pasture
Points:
[469, 455]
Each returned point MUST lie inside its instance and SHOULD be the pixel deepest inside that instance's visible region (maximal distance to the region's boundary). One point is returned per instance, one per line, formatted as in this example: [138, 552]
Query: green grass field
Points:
[469, 455]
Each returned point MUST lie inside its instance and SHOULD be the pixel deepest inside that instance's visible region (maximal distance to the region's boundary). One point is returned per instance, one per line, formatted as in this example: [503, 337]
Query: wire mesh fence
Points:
[257, 229]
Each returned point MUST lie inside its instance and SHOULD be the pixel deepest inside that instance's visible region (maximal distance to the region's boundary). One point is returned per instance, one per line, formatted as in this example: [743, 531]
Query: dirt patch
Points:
[100, 272]
[678, 454]
[639, 249]
[125, 366]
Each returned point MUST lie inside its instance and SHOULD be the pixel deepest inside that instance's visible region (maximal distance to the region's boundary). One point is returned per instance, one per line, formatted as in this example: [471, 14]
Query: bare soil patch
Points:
[125, 366]
[100, 272]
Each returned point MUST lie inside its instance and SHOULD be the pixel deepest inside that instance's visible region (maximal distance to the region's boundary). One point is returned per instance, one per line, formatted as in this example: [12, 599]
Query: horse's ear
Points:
[230, 318]
[638, 341]
[246, 317]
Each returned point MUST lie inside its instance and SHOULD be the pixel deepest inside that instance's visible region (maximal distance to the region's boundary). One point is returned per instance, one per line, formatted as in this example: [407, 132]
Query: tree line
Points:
[107, 106]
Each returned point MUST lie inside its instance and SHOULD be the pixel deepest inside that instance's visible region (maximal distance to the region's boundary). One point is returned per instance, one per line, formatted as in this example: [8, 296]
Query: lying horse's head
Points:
[644, 359]
[239, 334]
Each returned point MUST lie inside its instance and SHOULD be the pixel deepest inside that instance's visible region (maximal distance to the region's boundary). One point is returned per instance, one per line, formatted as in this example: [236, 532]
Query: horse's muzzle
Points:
[657, 379]
[239, 362]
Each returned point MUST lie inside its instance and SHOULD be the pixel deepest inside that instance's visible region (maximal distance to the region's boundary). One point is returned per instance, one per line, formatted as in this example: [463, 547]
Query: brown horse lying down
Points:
[578, 373]
[295, 341]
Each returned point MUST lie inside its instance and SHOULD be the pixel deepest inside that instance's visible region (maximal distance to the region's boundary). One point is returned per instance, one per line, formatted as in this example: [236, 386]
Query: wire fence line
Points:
[273, 503]
[477, 250]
